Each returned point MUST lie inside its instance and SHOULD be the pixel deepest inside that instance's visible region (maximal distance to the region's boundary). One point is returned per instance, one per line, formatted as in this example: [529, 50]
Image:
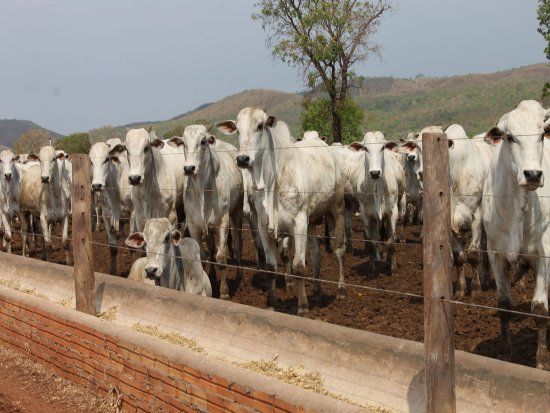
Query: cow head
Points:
[48, 162]
[157, 237]
[252, 124]
[7, 161]
[522, 132]
[196, 143]
[100, 158]
[374, 144]
[139, 150]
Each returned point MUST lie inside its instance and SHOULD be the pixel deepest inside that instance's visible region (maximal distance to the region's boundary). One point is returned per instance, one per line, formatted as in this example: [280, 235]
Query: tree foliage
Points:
[325, 38]
[316, 116]
[31, 141]
[543, 13]
[105, 133]
[75, 143]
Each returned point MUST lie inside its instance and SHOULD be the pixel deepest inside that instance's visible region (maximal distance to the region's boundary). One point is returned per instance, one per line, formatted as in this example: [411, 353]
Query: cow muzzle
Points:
[189, 169]
[243, 161]
[411, 159]
[97, 187]
[151, 272]
[533, 177]
[134, 179]
[375, 174]
[45, 179]
[7, 176]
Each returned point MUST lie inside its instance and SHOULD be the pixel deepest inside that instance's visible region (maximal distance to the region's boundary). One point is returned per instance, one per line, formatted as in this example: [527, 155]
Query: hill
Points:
[11, 129]
[397, 106]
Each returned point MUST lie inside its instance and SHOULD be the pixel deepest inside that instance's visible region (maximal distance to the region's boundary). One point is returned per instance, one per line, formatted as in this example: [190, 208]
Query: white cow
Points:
[111, 191]
[412, 201]
[156, 176]
[378, 186]
[42, 196]
[171, 261]
[9, 194]
[295, 187]
[516, 211]
[213, 197]
[469, 163]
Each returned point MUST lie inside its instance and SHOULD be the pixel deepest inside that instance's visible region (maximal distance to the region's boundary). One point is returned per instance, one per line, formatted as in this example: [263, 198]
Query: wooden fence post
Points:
[81, 201]
[438, 314]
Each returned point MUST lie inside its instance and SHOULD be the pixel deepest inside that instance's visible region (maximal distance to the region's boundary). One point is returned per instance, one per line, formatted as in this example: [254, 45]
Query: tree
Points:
[543, 12]
[75, 143]
[316, 116]
[105, 133]
[326, 38]
[31, 141]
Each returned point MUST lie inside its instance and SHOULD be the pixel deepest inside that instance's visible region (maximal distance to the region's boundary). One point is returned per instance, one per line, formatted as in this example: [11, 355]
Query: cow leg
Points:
[539, 306]
[221, 257]
[315, 254]
[347, 224]
[284, 252]
[504, 299]
[7, 232]
[253, 223]
[237, 235]
[270, 248]
[299, 262]
[327, 236]
[111, 237]
[46, 238]
[65, 240]
[211, 244]
[24, 232]
[338, 225]
[392, 226]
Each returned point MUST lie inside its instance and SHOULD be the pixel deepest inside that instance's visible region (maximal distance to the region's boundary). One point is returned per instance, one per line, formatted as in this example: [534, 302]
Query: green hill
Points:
[397, 106]
[11, 129]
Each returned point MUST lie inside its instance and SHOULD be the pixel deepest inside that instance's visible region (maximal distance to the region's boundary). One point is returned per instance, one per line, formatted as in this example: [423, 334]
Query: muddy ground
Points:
[476, 330]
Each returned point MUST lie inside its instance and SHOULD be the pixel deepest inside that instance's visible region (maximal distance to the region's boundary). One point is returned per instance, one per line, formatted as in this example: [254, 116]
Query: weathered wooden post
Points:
[81, 201]
[438, 314]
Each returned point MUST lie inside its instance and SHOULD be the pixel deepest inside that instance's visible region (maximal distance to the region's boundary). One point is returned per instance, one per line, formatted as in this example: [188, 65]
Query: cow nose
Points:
[189, 169]
[411, 158]
[97, 187]
[45, 179]
[134, 179]
[243, 161]
[375, 174]
[7, 176]
[533, 176]
[151, 272]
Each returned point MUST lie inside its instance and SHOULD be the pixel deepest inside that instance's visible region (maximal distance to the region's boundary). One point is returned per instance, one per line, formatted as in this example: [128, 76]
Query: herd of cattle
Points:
[284, 188]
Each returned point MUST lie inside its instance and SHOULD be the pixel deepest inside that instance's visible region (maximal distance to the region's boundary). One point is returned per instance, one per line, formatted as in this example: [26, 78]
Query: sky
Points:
[72, 65]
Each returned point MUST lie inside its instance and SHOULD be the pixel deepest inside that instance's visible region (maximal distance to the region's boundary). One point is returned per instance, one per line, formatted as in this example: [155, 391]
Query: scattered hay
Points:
[172, 337]
[291, 375]
[110, 314]
[16, 285]
[66, 302]
[306, 380]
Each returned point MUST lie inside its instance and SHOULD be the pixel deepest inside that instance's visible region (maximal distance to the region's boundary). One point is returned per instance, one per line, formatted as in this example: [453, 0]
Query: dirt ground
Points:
[476, 330]
[27, 387]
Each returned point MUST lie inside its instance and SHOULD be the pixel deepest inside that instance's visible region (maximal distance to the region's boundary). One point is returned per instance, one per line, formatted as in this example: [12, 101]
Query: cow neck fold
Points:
[53, 192]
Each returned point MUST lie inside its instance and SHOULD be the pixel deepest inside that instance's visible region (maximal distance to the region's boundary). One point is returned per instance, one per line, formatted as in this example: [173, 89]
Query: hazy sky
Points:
[73, 65]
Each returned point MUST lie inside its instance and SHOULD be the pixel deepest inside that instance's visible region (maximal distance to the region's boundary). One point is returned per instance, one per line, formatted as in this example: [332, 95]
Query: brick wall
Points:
[103, 356]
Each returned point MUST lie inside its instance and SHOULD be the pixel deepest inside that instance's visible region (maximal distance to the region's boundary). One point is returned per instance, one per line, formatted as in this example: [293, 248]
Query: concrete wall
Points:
[365, 367]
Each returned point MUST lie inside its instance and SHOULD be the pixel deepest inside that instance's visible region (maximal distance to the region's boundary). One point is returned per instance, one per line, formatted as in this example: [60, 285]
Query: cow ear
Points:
[271, 122]
[357, 146]
[157, 143]
[392, 146]
[32, 157]
[15, 158]
[117, 149]
[547, 131]
[495, 135]
[176, 236]
[211, 140]
[176, 142]
[60, 156]
[115, 159]
[135, 240]
[409, 145]
[227, 127]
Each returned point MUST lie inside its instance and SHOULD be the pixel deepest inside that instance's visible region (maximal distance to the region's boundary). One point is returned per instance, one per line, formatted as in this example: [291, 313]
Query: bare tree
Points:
[31, 141]
[325, 38]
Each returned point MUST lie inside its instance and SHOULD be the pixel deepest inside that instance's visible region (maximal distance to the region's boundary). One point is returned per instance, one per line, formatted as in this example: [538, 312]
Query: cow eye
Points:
[203, 141]
[167, 238]
[106, 160]
[260, 127]
[146, 149]
[511, 139]
[542, 136]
